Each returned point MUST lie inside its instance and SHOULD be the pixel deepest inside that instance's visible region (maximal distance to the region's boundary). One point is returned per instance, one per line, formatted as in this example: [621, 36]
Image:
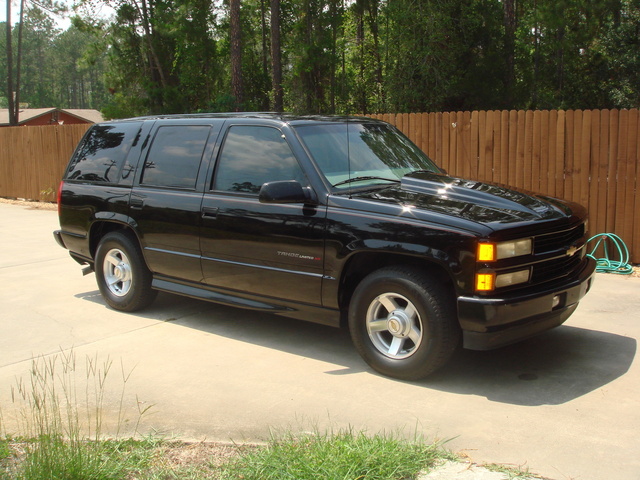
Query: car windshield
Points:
[354, 155]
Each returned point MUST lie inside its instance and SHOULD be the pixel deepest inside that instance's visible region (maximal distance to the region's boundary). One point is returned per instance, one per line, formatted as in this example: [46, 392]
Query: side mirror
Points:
[287, 191]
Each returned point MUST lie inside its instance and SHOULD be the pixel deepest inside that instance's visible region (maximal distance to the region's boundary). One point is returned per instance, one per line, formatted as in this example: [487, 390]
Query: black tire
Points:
[403, 323]
[122, 275]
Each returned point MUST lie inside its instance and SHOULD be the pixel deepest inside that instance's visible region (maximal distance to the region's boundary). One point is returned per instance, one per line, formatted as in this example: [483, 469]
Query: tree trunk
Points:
[375, 33]
[362, 94]
[265, 51]
[276, 56]
[19, 64]
[236, 52]
[12, 111]
[333, 10]
[509, 47]
[560, 64]
[536, 57]
[145, 14]
[307, 77]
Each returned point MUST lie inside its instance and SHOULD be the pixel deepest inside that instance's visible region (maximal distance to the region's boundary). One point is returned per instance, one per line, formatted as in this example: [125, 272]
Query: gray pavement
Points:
[566, 404]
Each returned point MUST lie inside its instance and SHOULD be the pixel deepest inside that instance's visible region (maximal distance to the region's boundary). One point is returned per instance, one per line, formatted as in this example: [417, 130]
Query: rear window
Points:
[101, 155]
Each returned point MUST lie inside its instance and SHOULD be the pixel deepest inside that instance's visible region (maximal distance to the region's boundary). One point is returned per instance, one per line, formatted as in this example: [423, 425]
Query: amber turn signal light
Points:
[486, 252]
[485, 282]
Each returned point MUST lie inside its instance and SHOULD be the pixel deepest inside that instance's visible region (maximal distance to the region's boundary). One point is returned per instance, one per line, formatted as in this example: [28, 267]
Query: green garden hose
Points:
[605, 264]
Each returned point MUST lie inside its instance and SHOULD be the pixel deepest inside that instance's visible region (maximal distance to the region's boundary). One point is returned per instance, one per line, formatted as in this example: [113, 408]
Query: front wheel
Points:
[403, 323]
[122, 275]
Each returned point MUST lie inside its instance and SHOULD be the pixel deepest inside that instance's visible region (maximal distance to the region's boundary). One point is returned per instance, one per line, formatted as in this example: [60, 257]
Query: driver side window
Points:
[253, 155]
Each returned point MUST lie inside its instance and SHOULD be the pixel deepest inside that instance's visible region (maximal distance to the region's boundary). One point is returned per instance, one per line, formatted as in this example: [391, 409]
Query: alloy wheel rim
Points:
[117, 272]
[394, 326]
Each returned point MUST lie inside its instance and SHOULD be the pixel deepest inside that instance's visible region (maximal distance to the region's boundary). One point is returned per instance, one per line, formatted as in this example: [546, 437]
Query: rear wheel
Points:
[122, 275]
[403, 323]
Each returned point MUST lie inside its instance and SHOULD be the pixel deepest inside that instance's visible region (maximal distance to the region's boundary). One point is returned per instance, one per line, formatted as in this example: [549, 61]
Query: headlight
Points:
[490, 252]
[506, 279]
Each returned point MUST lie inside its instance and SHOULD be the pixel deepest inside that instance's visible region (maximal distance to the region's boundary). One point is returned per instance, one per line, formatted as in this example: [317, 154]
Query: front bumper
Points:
[489, 323]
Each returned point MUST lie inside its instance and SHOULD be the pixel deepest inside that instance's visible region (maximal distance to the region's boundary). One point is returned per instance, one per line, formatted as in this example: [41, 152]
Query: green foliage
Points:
[616, 58]
[345, 455]
[362, 56]
[56, 67]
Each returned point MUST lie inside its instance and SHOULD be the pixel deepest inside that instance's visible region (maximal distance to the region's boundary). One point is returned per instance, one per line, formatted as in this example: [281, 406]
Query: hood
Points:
[474, 201]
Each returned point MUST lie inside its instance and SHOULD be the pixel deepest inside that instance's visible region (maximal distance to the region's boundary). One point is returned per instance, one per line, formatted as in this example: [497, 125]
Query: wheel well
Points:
[361, 265]
[100, 229]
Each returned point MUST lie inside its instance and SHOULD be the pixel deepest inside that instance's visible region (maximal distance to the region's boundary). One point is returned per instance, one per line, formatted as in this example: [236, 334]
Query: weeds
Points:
[61, 412]
[511, 472]
[345, 455]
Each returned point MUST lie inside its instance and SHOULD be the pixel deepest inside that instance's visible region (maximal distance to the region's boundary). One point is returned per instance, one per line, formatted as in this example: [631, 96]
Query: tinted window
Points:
[252, 156]
[364, 150]
[101, 155]
[174, 157]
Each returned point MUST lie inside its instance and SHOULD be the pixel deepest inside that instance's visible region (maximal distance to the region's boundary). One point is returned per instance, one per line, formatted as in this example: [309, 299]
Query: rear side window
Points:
[174, 157]
[102, 154]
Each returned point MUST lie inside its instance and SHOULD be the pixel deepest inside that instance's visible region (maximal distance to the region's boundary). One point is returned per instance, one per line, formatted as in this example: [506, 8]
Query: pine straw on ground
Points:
[183, 454]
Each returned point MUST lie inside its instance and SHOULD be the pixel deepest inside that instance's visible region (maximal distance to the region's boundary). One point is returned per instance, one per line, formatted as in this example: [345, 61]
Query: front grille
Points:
[556, 256]
[555, 268]
[562, 240]
[561, 264]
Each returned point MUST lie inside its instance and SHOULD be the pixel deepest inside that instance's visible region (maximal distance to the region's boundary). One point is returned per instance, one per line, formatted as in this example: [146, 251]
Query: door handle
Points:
[210, 212]
[136, 202]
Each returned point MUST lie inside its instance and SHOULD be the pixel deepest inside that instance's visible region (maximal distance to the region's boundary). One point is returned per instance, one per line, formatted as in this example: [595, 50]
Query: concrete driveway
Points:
[565, 404]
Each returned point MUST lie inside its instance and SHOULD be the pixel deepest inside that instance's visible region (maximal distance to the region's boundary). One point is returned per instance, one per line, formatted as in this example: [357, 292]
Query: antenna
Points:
[348, 157]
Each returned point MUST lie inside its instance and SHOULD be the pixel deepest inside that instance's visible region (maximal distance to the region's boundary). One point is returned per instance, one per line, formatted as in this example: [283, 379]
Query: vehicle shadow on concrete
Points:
[551, 369]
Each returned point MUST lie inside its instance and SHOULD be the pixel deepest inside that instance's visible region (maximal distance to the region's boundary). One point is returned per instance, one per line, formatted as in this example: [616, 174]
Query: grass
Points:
[58, 458]
[345, 455]
[4, 449]
[62, 437]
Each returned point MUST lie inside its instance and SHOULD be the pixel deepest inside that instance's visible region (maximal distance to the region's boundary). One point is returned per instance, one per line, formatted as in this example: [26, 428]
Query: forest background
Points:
[323, 56]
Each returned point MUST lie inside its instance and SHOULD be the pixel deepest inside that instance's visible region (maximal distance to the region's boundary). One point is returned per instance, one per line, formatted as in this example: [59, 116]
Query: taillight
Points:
[59, 197]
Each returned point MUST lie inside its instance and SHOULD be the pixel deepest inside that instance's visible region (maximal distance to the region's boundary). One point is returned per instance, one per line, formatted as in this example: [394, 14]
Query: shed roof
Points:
[92, 116]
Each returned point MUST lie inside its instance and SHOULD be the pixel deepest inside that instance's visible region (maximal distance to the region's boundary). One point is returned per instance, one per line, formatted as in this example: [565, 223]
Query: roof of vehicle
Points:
[289, 118]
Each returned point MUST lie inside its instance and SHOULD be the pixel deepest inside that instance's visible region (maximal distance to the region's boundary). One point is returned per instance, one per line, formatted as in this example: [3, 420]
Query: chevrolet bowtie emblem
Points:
[572, 250]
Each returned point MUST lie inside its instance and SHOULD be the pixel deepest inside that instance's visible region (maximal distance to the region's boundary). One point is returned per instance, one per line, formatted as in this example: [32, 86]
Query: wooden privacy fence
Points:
[590, 157]
[33, 159]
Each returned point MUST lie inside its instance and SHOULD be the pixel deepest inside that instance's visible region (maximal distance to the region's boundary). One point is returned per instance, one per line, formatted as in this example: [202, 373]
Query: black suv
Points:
[329, 219]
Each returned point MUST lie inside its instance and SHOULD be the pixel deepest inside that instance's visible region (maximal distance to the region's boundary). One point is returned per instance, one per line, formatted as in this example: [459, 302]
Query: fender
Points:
[105, 222]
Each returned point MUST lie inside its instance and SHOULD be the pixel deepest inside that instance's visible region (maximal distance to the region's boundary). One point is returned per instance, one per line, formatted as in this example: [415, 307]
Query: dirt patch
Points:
[30, 204]
[183, 454]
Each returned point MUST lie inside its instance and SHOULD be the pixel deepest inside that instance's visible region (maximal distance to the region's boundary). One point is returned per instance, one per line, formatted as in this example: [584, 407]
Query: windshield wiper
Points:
[440, 171]
[359, 179]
